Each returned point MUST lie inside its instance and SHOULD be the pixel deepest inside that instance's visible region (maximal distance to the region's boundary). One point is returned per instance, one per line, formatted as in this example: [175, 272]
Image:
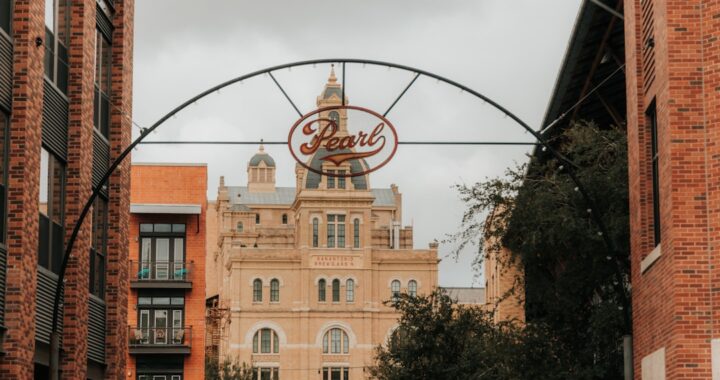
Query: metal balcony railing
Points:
[159, 336]
[160, 271]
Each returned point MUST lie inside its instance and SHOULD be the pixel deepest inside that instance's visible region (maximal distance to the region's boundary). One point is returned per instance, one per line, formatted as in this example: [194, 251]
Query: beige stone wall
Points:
[504, 290]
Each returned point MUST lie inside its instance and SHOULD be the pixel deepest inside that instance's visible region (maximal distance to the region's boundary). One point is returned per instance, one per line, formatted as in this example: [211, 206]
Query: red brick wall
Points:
[672, 305]
[170, 184]
[23, 188]
[117, 275]
[78, 187]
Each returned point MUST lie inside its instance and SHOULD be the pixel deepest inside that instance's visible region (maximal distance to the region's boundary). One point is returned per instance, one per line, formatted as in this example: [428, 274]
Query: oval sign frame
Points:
[348, 107]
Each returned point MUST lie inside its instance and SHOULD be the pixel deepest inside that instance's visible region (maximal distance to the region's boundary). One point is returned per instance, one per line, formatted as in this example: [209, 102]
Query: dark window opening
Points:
[257, 290]
[98, 249]
[257, 218]
[162, 252]
[101, 106]
[6, 15]
[274, 290]
[57, 33]
[315, 237]
[321, 290]
[284, 219]
[655, 156]
[336, 290]
[52, 211]
[4, 125]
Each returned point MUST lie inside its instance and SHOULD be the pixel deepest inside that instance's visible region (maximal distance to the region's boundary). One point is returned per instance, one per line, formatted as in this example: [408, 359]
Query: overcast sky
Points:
[507, 50]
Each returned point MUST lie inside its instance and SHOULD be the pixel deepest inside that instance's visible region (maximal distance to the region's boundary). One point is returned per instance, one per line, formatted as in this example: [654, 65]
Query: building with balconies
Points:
[166, 304]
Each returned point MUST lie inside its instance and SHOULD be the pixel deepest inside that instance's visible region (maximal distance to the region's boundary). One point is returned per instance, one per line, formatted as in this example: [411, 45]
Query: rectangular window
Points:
[341, 180]
[103, 60]
[162, 252]
[6, 15]
[266, 374]
[655, 156]
[331, 231]
[57, 33]
[356, 233]
[265, 336]
[331, 180]
[98, 247]
[315, 232]
[336, 373]
[52, 194]
[341, 231]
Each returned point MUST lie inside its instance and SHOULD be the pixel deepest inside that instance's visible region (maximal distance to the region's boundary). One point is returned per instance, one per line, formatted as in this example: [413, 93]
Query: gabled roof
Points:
[241, 198]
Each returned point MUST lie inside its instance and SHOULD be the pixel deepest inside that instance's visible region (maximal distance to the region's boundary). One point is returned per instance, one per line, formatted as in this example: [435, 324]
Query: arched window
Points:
[274, 290]
[412, 288]
[334, 116]
[321, 290]
[395, 289]
[239, 227]
[336, 341]
[257, 218]
[265, 341]
[284, 219]
[257, 290]
[356, 233]
[315, 232]
[336, 290]
[350, 291]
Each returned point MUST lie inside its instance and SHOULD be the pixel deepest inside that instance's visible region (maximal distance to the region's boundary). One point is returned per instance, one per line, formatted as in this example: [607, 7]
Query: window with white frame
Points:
[336, 341]
[336, 231]
[265, 341]
[350, 290]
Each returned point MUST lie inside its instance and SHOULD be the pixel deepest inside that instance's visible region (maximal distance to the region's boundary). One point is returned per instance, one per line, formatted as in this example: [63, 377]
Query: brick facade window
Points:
[161, 319]
[284, 219]
[651, 115]
[162, 251]
[57, 33]
[52, 211]
[6, 16]
[98, 249]
[101, 106]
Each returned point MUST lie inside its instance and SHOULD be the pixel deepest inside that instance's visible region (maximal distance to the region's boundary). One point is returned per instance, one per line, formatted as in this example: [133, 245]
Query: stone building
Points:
[302, 272]
[65, 101]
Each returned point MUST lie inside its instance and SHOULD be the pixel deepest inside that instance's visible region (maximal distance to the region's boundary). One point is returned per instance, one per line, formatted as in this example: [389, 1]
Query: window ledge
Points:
[650, 259]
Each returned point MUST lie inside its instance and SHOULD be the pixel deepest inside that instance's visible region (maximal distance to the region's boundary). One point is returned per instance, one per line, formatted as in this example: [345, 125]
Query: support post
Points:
[628, 356]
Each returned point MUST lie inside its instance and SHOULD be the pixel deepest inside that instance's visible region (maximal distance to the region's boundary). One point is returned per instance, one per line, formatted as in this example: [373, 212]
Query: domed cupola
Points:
[261, 172]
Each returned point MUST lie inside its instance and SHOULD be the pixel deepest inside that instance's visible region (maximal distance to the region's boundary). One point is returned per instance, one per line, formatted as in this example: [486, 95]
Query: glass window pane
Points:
[178, 228]
[255, 342]
[265, 341]
[161, 300]
[162, 228]
[50, 14]
[146, 227]
[177, 300]
[336, 290]
[44, 177]
[144, 300]
[179, 250]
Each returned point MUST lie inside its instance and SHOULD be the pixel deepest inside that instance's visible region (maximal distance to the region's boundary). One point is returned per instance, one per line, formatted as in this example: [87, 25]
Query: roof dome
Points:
[261, 156]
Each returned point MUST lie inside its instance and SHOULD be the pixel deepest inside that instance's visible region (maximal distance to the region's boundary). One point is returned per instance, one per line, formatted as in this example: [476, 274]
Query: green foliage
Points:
[576, 285]
[227, 370]
[438, 339]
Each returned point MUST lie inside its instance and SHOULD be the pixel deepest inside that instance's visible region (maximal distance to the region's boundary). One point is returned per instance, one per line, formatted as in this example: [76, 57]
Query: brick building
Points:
[65, 91]
[673, 79]
[167, 239]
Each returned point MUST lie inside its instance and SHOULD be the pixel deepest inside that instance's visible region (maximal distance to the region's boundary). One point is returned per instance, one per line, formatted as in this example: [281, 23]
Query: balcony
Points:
[167, 340]
[160, 275]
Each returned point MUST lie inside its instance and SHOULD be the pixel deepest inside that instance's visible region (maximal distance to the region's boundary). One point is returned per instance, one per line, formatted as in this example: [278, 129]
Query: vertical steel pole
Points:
[628, 356]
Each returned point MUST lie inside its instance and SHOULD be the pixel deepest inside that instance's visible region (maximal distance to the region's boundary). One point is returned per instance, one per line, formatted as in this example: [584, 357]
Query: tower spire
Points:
[332, 78]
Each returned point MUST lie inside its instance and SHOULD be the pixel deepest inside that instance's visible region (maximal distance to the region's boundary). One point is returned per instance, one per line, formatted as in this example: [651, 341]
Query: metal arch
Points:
[145, 132]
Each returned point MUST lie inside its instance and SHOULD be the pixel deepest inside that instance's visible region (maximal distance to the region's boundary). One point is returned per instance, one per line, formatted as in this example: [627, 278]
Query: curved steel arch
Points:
[145, 132]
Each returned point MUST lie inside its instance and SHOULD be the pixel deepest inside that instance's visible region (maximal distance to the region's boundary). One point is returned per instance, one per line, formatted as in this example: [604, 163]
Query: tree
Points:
[438, 339]
[576, 287]
[227, 370]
